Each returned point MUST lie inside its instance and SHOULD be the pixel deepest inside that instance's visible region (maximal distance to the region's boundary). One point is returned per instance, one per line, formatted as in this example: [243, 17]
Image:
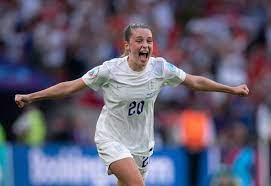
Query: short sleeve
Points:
[173, 76]
[96, 77]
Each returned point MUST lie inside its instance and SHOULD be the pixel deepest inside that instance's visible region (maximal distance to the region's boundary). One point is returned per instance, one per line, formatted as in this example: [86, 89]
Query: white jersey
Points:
[128, 114]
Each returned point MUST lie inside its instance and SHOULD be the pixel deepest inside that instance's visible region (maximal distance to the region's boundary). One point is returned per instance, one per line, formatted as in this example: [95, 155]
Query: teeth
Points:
[145, 54]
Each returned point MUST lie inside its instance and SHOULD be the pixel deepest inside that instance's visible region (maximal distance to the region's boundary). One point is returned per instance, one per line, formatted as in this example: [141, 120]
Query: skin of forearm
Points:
[205, 84]
[57, 91]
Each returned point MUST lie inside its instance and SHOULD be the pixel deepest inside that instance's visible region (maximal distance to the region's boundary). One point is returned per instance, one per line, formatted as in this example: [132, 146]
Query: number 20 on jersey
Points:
[135, 108]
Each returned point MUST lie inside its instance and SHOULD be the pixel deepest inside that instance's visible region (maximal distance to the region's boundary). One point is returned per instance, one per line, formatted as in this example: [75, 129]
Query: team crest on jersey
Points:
[153, 88]
[93, 73]
[153, 85]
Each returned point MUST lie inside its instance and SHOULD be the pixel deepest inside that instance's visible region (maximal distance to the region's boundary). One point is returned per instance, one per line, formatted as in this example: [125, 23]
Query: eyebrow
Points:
[140, 37]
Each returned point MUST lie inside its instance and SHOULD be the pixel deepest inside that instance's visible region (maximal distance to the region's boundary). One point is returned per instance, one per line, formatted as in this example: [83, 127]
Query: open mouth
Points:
[144, 54]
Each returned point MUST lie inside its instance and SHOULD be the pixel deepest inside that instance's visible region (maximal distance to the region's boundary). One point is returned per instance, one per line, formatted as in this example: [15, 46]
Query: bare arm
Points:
[204, 84]
[57, 91]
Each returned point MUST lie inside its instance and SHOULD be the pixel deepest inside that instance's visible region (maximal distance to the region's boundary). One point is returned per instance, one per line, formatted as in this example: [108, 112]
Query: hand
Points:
[22, 100]
[241, 90]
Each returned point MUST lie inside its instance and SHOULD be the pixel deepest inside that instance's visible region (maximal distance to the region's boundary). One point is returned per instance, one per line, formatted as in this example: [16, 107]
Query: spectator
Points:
[2, 135]
[30, 127]
[196, 134]
[240, 157]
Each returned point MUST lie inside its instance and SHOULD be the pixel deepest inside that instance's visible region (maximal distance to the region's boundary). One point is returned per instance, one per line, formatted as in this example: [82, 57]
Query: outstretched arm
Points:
[57, 91]
[204, 84]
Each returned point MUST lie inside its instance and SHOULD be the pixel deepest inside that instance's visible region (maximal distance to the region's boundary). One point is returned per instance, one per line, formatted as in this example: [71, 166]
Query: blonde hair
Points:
[128, 33]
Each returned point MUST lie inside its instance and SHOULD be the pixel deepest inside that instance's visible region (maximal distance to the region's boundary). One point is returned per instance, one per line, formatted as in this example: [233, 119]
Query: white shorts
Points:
[113, 151]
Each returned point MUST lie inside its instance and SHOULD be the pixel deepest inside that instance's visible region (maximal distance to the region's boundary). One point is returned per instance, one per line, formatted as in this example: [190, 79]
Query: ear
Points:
[126, 46]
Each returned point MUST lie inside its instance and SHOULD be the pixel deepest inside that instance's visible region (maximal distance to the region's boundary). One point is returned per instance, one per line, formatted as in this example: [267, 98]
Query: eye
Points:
[149, 41]
[139, 40]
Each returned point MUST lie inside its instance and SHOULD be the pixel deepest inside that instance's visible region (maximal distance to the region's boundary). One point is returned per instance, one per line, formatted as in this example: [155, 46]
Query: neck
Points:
[134, 65]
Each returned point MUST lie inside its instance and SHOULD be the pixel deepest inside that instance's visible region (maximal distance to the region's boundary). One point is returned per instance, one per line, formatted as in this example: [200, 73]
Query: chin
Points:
[145, 60]
[143, 63]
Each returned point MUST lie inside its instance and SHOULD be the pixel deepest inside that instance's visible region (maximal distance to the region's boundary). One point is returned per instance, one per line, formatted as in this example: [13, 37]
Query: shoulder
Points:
[114, 63]
[158, 64]
[106, 68]
[164, 64]
[158, 60]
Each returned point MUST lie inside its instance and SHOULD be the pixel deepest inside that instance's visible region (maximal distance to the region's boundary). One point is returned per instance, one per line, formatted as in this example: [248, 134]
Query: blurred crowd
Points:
[227, 40]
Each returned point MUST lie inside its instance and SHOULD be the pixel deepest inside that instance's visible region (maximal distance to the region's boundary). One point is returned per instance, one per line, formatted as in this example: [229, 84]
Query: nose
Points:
[145, 44]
